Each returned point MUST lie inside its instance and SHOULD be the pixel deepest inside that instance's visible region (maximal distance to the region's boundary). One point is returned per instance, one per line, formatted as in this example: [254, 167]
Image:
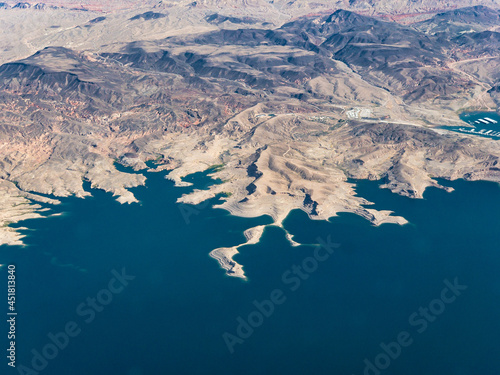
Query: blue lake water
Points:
[485, 124]
[170, 319]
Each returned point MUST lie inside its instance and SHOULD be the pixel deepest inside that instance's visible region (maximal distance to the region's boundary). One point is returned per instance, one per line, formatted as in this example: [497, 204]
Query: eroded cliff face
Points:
[292, 113]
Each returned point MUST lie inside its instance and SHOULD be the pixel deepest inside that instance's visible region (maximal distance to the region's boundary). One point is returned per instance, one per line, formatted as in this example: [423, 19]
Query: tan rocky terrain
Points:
[291, 114]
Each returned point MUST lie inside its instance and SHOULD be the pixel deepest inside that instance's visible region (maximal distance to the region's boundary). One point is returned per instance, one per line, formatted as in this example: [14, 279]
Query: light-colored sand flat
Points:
[224, 255]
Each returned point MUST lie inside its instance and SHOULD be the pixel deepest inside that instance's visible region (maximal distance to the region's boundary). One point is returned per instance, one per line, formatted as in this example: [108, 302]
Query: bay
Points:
[177, 313]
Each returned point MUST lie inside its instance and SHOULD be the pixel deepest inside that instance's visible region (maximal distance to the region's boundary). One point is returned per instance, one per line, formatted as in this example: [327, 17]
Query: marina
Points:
[485, 124]
[490, 132]
[491, 120]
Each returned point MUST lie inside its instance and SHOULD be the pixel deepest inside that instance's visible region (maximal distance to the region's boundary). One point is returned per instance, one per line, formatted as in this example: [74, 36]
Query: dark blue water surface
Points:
[171, 318]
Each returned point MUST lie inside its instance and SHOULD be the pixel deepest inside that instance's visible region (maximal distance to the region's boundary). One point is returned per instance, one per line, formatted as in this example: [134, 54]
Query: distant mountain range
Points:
[293, 7]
